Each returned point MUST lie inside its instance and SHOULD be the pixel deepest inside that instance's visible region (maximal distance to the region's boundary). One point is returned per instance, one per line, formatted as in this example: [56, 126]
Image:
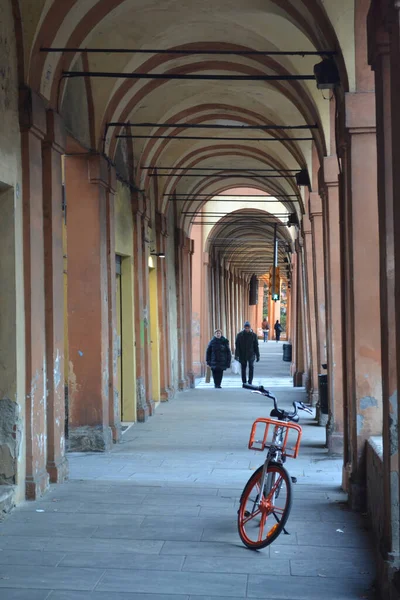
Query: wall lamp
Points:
[159, 254]
[302, 178]
[327, 75]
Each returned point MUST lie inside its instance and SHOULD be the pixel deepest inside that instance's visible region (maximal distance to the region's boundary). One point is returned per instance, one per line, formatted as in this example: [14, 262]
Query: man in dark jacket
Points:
[246, 350]
[218, 356]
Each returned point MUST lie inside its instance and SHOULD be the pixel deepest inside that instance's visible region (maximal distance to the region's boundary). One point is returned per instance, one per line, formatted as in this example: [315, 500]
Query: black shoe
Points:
[218, 387]
[243, 384]
[250, 382]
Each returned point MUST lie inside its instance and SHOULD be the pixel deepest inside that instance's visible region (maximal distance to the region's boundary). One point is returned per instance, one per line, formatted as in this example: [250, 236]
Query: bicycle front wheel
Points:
[262, 514]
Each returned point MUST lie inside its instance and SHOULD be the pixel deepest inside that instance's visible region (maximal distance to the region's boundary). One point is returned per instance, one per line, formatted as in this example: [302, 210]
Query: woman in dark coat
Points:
[218, 356]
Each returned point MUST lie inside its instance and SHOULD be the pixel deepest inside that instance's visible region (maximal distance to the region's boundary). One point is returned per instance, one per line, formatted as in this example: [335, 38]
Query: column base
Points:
[152, 407]
[116, 433]
[357, 497]
[90, 439]
[334, 442]
[36, 485]
[298, 379]
[389, 577]
[7, 499]
[183, 385]
[142, 414]
[323, 419]
[58, 471]
[191, 378]
[313, 397]
[165, 394]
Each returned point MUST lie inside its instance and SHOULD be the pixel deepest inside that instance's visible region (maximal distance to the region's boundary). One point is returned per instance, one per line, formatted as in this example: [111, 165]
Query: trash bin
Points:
[287, 352]
[323, 393]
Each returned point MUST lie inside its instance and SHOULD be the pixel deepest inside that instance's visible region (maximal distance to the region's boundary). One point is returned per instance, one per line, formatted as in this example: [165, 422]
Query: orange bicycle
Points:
[266, 500]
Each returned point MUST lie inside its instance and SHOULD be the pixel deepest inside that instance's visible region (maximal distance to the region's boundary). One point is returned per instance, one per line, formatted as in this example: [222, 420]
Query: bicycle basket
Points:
[263, 431]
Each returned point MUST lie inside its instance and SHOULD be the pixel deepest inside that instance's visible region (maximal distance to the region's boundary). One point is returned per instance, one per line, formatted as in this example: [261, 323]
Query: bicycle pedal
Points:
[294, 479]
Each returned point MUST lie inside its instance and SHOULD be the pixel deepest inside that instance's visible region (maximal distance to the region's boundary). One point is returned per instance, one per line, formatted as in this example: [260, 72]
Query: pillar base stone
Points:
[36, 486]
[165, 394]
[183, 385]
[357, 496]
[58, 471]
[191, 379]
[313, 397]
[116, 433]
[334, 442]
[323, 419]
[389, 577]
[143, 413]
[298, 379]
[7, 499]
[90, 439]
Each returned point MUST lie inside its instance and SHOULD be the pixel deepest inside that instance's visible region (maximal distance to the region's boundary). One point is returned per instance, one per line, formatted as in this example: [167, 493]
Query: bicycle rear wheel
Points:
[262, 514]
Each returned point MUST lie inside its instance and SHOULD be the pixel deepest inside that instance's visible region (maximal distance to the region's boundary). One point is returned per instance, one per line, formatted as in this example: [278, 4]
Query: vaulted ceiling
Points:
[167, 166]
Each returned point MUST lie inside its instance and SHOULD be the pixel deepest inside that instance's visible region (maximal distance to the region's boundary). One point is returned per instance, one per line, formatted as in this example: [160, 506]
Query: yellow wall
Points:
[124, 247]
[154, 332]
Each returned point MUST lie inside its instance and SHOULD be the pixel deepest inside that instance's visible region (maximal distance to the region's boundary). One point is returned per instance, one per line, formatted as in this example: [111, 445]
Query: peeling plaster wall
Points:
[171, 282]
[12, 325]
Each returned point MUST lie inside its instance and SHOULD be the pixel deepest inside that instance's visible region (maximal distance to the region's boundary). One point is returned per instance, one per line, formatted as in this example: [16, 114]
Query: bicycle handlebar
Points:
[279, 412]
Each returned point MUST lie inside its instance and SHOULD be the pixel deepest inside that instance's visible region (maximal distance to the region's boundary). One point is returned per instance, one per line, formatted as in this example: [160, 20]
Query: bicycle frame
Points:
[274, 455]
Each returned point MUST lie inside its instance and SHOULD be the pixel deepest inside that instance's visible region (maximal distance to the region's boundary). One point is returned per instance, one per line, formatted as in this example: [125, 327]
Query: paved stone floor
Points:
[155, 519]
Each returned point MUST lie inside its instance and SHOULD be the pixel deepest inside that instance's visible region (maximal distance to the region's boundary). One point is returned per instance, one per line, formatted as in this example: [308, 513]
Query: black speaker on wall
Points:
[253, 295]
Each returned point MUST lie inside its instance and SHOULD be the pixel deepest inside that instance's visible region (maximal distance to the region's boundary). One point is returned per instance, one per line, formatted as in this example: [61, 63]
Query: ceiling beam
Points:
[210, 126]
[214, 139]
[184, 76]
[219, 169]
[191, 52]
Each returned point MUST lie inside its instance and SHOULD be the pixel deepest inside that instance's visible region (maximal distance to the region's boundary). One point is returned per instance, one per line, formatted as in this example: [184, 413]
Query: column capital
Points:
[315, 205]
[328, 175]
[99, 170]
[299, 244]
[32, 113]
[161, 224]
[138, 207]
[56, 136]
[360, 112]
[306, 225]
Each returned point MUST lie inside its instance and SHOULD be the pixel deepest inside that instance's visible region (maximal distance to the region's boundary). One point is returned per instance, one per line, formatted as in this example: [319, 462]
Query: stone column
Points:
[311, 304]
[293, 312]
[315, 211]
[189, 251]
[329, 185]
[33, 130]
[384, 56]
[163, 309]
[113, 401]
[362, 325]
[53, 147]
[182, 249]
[86, 182]
[206, 316]
[145, 405]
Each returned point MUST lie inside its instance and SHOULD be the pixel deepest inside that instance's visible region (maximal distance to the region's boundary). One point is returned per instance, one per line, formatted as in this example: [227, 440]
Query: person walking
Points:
[246, 351]
[265, 329]
[218, 356]
[278, 328]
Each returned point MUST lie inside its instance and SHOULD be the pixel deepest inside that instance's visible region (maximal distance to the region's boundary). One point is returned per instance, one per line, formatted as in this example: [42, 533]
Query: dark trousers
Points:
[217, 376]
[277, 335]
[251, 370]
